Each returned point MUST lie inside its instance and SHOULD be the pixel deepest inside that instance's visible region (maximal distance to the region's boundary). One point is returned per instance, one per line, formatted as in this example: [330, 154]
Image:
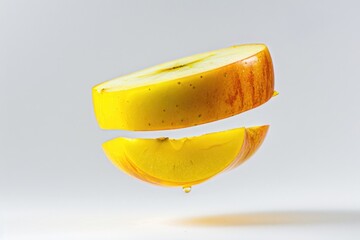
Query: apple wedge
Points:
[186, 92]
[186, 161]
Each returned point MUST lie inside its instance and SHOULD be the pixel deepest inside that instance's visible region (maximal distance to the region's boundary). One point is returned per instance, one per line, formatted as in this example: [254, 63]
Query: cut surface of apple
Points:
[186, 92]
[186, 161]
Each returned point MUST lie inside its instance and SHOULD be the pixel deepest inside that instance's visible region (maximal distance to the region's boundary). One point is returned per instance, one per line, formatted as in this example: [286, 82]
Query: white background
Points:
[55, 181]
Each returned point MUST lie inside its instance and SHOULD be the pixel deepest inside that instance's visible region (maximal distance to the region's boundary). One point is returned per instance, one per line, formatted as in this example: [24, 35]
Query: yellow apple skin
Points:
[189, 101]
[255, 136]
[187, 161]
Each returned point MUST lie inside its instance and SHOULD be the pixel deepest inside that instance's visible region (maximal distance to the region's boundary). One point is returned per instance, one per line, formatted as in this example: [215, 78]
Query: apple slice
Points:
[186, 92]
[186, 161]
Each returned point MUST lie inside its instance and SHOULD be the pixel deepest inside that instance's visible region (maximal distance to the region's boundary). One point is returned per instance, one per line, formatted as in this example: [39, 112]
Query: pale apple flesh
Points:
[181, 68]
[186, 92]
[186, 161]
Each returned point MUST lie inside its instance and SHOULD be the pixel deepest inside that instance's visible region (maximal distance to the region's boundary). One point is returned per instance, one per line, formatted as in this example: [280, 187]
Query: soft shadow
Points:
[272, 218]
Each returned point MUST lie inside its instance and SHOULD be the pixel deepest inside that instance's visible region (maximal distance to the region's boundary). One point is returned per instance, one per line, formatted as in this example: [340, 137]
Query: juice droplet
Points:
[275, 93]
[187, 189]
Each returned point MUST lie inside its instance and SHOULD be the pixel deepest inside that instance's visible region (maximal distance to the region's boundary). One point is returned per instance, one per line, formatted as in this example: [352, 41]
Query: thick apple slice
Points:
[187, 92]
[186, 161]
